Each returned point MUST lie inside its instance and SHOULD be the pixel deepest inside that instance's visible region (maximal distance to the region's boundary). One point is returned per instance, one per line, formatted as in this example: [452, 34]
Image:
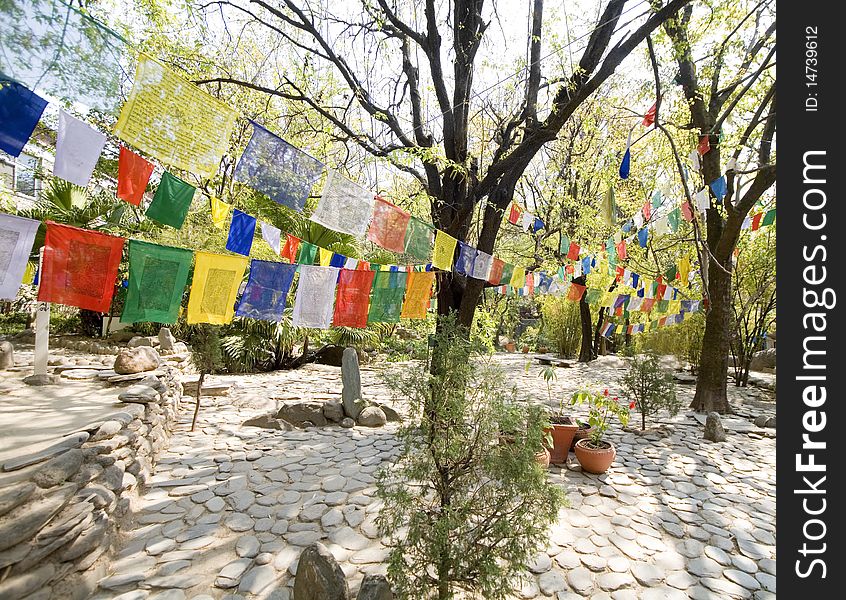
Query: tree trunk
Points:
[586, 351]
[197, 405]
[598, 341]
[713, 365]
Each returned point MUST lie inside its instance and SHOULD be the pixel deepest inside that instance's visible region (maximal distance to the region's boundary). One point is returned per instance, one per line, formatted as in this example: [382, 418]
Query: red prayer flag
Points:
[662, 321]
[79, 267]
[530, 282]
[704, 145]
[133, 175]
[388, 225]
[496, 271]
[647, 210]
[362, 265]
[756, 221]
[352, 301]
[621, 250]
[619, 272]
[629, 329]
[618, 312]
[289, 250]
[661, 289]
[514, 215]
[646, 305]
[649, 117]
[687, 211]
[576, 292]
[573, 254]
[569, 269]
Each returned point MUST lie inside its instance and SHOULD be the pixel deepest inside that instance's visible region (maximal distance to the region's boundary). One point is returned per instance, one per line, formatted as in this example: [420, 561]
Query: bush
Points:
[683, 340]
[562, 325]
[650, 387]
[463, 510]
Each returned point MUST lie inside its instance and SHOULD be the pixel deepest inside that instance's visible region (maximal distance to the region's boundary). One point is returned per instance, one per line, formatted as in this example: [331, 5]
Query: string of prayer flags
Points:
[78, 148]
[267, 288]
[704, 145]
[466, 258]
[242, 229]
[718, 186]
[79, 267]
[157, 279]
[419, 237]
[444, 251]
[272, 235]
[307, 253]
[386, 300]
[609, 206]
[388, 225]
[133, 176]
[495, 274]
[418, 295]
[353, 298]
[277, 169]
[171, 201]
[315, 300]
[16, 237]
[20, 111]
[214, 287]
[289, 250]
[344, 206]
[170, 118]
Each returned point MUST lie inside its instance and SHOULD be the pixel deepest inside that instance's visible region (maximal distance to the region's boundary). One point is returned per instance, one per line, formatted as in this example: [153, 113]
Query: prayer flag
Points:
[465, 260]
[718, 186]
[219, 212]
[133, 176]
[339, 260]
[518, 277]
[444, 251]
[514, 214]
[647, 211]
[694, 160]
[419, 237]
[507, 273]
[418, 295]
[272, 235]
[593, 296]
[747, 223]
[575, 292]
[528, 220]
[289, 250]
[79, 267]
[170, 118]
[609, 206]
[171, 202]
[703, 201]
[621, 250]
[20, 110]
[495, 275]
[241, 232]
[266, 291]
[16, 237]
[564, 245]
[307, 253]
[573, 253]
[769, 217]
[687, 211]
[684, 270]
[649, 117]
[214, 287]
[481, 265]
[344, 206]
[626, 163]
[315, 300]
[388, 226]
[324, 257]
[353, 298]
[643, 237]
[673, 219]
[538, 225]
[386, 300]
[586, 265]
[756, 221]
[157, 279]
[78, 148]
[704, 145]
[657, 199]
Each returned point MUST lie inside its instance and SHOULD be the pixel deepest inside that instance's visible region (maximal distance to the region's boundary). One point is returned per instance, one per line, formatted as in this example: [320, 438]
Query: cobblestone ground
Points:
[231, 508]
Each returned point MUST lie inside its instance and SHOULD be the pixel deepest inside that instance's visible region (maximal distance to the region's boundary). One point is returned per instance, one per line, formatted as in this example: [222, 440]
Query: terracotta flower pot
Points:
[525, 349]
[562, 437]
[581, 433]
[542, 458]
[510, 346]
[595, 460]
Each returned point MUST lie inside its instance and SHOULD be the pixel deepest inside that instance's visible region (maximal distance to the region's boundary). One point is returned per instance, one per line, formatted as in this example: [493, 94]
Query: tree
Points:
[650, 387]
[455, 172]
[747, 94]
[206, 356]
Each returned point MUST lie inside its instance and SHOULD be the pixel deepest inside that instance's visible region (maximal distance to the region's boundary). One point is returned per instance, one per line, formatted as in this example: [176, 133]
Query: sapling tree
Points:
[206, 356]
[650, 388]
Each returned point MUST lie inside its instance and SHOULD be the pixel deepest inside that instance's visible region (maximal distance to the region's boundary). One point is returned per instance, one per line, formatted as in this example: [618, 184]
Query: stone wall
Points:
[59, 517]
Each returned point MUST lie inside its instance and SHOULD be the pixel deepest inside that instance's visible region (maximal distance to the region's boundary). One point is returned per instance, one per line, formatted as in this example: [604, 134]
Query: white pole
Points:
[42, 328]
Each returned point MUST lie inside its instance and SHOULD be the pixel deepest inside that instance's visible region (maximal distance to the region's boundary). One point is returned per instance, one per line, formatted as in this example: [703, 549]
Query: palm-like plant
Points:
[251, 345]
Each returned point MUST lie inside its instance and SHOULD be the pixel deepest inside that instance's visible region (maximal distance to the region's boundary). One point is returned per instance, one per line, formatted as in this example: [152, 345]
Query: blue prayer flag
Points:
[466, 258]
[20, 110]
[643, 237]
[267, 288]
[338, 260]
[625, 166]
[241, 232]
[718, 186]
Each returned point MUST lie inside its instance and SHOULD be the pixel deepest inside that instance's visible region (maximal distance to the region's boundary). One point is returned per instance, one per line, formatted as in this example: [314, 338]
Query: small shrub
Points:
[650, 387]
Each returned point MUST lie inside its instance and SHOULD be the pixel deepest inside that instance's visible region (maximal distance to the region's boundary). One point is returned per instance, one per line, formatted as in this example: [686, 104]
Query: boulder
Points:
[761, 421]
[351, 379]
[267, 422]
[121, 335]
[347, 423]
[42, 379]
[771, 423]
[372, 416]
[330, 355]
[392, 415]
[765, 360]
[166, 340]
[7, 355]
[714, 430]
[136, 359]
[319, 576]
[140, 394]
[375, 587]
[59, 468]
[298, 413]
[142, 340]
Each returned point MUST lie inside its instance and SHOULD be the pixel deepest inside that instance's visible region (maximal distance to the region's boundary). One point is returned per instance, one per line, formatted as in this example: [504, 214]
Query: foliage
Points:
[602, 407]
[550, 375]
[529, 337]
[485, 330]
[204, 341]
[651, 387]
[464, 511]
[353, 337]
[252, 345]
[683, 340]
[562, 324]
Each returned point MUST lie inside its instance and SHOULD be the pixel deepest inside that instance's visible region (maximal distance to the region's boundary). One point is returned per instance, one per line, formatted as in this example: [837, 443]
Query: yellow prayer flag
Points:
[172, 119]
[219, 212]
[444, 251]
[608, 299]
[518, 277]
[325, 257]
[29, 273]
[385, 267]
[214, 287]
[684, 271]
[621, 328]
[674, 307]
[418, 292]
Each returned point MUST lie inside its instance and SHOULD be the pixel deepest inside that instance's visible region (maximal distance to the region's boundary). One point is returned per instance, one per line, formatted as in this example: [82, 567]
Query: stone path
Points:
[230, 508]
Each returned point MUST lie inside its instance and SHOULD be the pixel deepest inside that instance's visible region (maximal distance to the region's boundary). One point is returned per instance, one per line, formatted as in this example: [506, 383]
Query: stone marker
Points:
[7, 355]
[42, 335]
[351, 378]
[42, 379]
[319, 576]
[166, 340]
[714, 430]
[375, 587]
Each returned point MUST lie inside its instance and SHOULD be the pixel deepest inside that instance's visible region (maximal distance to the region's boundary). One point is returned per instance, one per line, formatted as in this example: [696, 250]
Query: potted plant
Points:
[510, 346]
[562, 428]
[582, 432]
[594, 453]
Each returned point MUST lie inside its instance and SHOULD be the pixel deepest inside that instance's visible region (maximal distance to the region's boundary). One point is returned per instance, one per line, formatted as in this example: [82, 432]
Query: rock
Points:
[257, 579]
[298, 413]
[15, 495]
[372, 416]
[230, 575]
[375, 587]
[392, 415]
[761, 421]
[140, 394]
[714, 430]
[247, 546]
[142, 341]
[347, 422]
[166, 340]
[333, 411]
[319, 576]
[72, 441]
[268, 422]
[22, 586]
[351, 379]
[59, 468]
[329, 355]
[43, 379]
[763, 360]
[7, 355]
[25, 521]
[136, 360]
[90, 539]
[771, 423]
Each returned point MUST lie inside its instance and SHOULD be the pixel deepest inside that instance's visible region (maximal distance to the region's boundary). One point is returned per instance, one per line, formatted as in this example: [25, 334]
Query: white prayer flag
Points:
[703, 202]
[272, 235]
[481, 266]
[694, 159]
[16, 237]
[78, 147]
[344, 206]
[315, 301]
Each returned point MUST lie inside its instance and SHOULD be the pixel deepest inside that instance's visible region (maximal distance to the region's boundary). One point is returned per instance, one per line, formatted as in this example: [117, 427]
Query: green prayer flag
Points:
[507, 272]
[609, 206]
[157, 279]
[611, 250]
[307, 253]
[656, 199]
[769, 218]
[386, 297]
[673, 219]
[419, 237]
[662, 305]
[593, 296]
[671, 272]
[564, 246]
[171, 202]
